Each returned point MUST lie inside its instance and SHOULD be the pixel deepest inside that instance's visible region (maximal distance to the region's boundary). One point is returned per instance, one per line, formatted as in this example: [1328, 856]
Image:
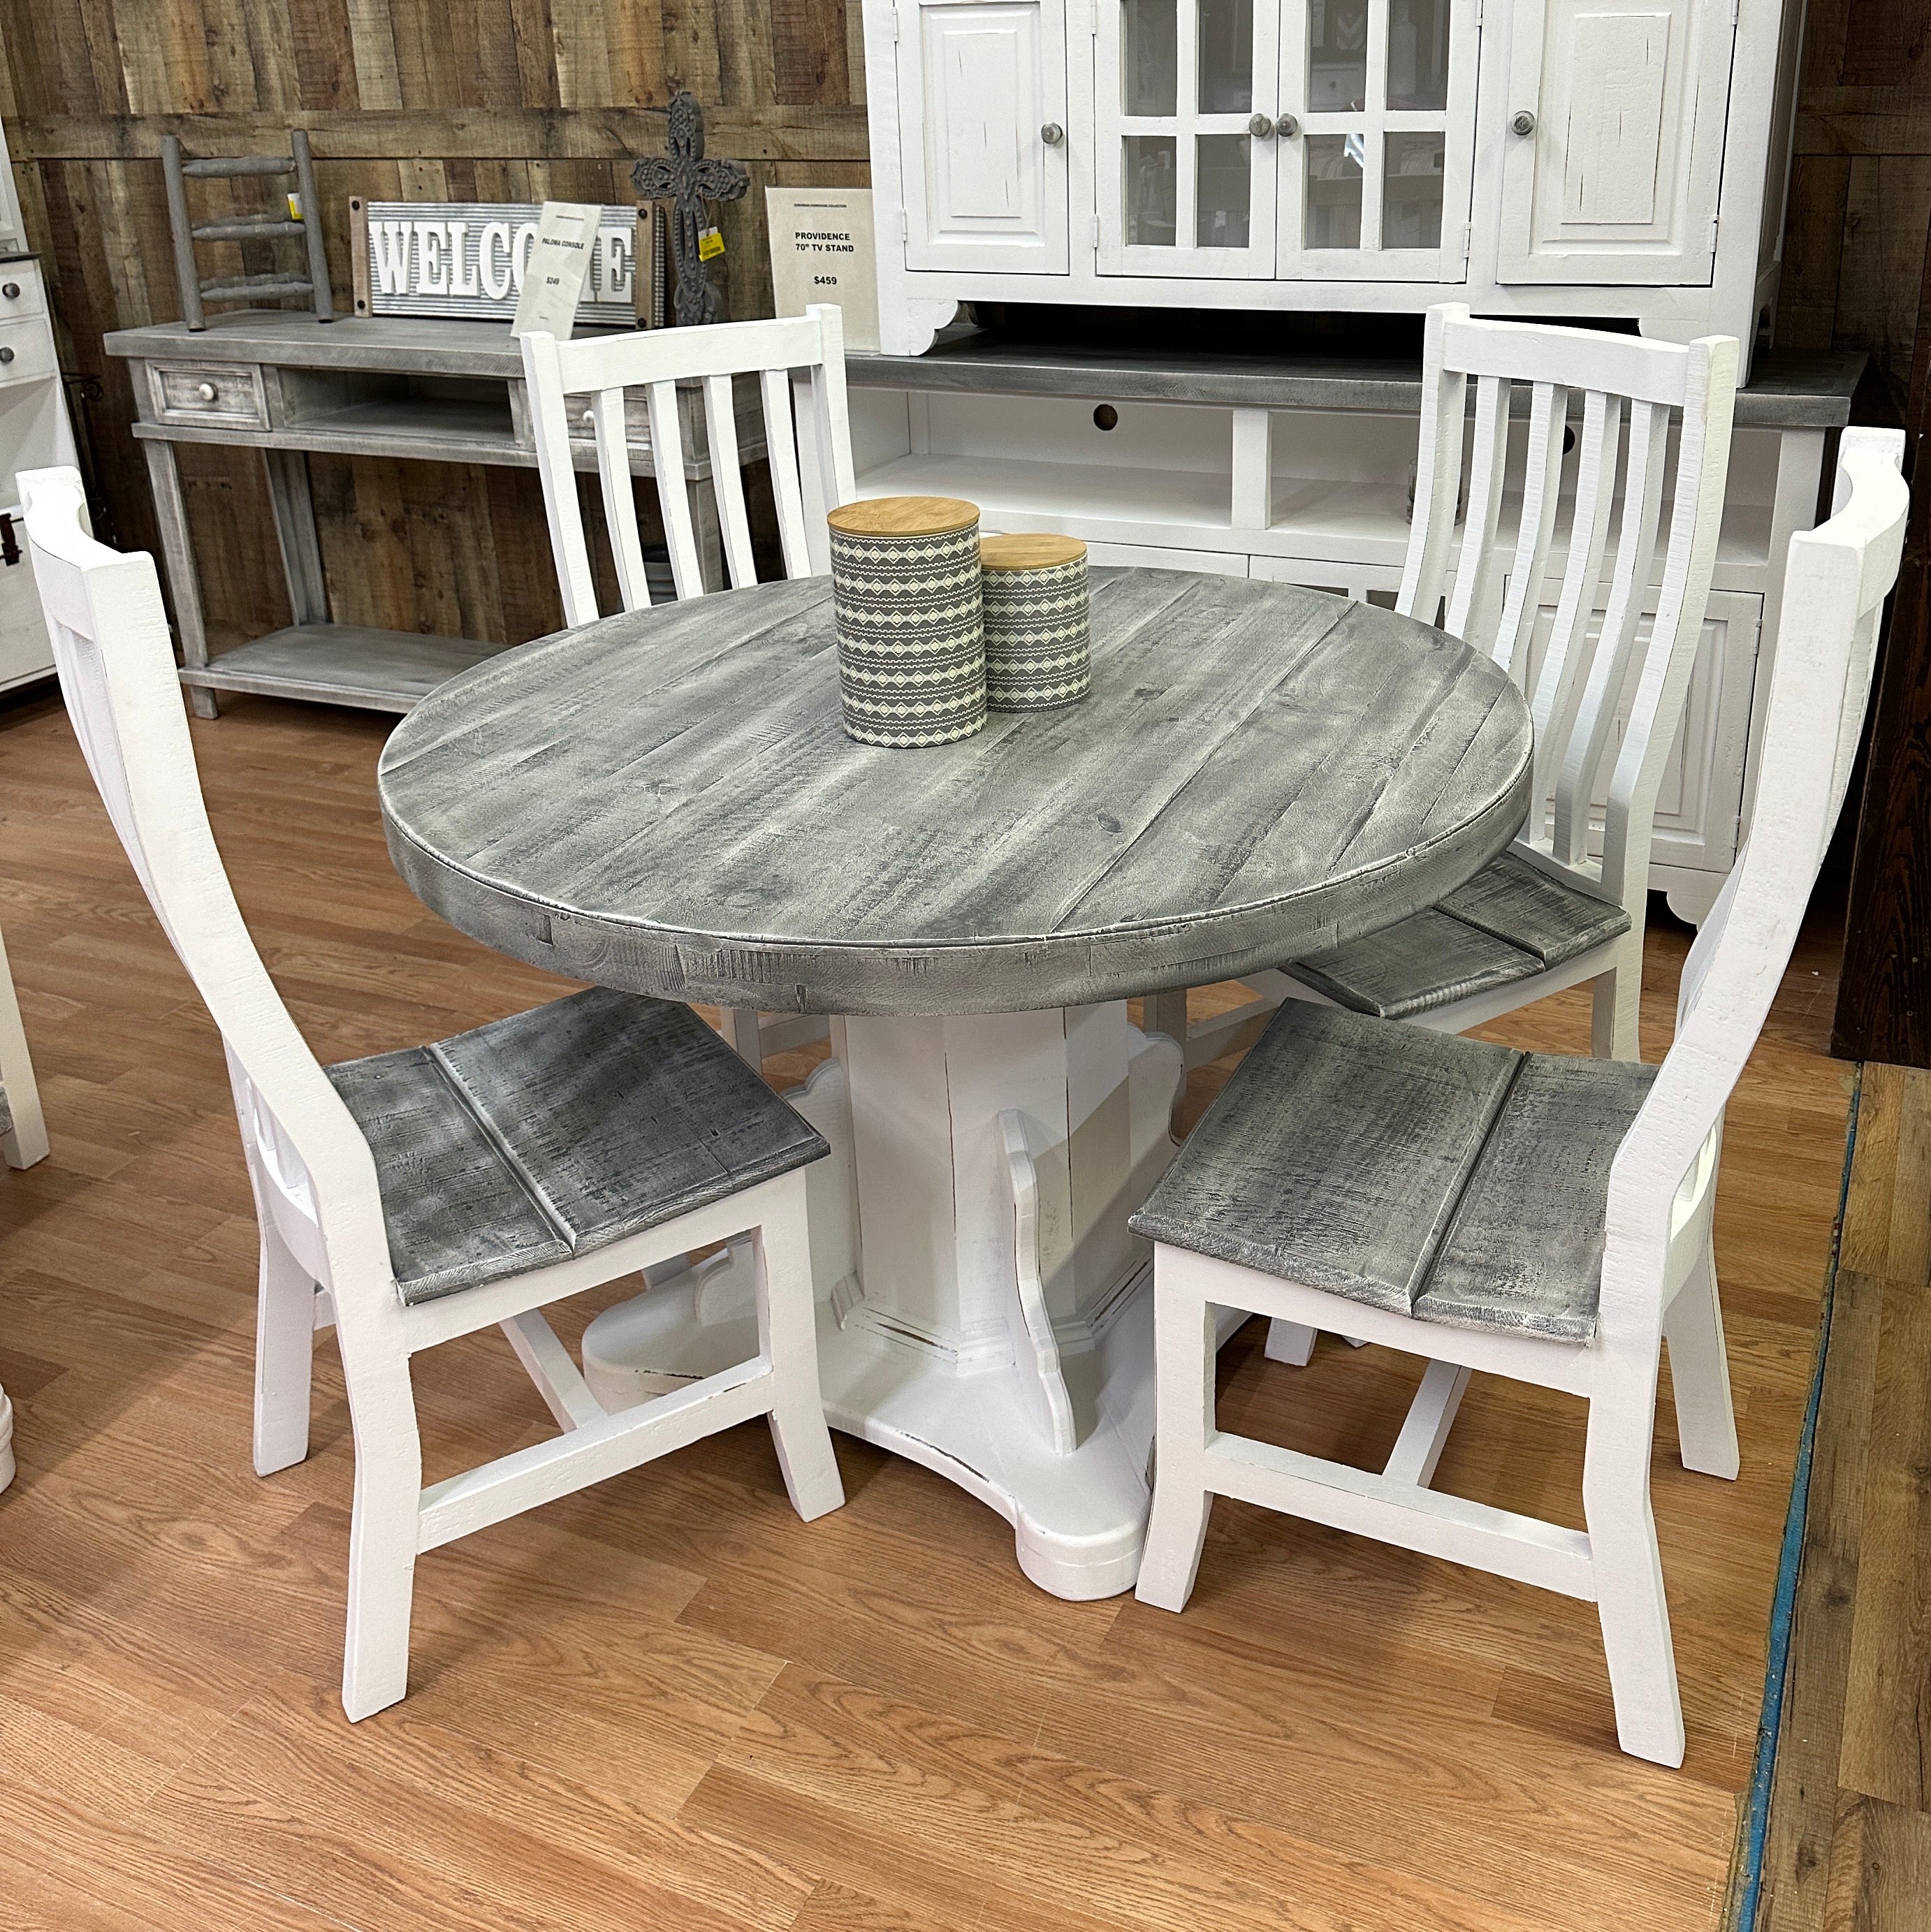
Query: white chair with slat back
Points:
[1540, 1218]
[419, 1195]
[1605, 699]
[810, 464]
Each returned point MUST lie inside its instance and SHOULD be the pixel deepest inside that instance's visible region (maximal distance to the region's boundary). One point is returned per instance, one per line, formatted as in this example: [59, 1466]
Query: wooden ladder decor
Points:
[194, 291]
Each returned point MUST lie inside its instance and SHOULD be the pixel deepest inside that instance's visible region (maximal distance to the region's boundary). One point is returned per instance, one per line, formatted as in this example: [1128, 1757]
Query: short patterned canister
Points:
[1038, 645]
[911, 656]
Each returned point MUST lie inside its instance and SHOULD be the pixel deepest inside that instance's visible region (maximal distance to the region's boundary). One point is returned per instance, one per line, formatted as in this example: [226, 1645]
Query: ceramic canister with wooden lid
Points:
[911, 656]
[1038, 641]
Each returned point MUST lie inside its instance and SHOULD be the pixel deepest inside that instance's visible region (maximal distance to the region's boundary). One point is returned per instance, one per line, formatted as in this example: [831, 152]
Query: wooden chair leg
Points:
[1699, 1373]
[383, 1535]
[23, 1133]
[1615, 1032]
[284, 1355]
[1627, 1569]
[787, 1337]
[1185, 1337]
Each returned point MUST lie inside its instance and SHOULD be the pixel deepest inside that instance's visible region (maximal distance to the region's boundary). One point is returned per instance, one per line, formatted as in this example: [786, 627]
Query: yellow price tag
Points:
[711, 245]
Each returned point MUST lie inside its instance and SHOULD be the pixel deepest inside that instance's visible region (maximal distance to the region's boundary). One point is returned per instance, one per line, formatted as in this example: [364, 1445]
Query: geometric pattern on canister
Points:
[911, 658]
[1038, 637]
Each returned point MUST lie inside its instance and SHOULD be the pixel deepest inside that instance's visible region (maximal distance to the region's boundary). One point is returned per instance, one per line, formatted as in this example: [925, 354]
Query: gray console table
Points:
[429, 389]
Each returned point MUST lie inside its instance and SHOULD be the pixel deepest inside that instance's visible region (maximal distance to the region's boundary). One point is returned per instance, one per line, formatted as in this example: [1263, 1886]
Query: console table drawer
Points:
[26, 351]
[228, 393]
[20, 291]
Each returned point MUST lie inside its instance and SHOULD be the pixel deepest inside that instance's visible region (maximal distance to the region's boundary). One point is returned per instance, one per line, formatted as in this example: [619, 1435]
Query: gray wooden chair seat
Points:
[1438, 1177]
[1510, 922]
[558, 1131]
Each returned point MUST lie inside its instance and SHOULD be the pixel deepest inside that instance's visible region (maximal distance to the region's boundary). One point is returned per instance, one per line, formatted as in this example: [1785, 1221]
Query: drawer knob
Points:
[1286, 127]
[6, 355]
[1523, 123]
[206, 391]
[1261, 127]
[589, 419]
[11, 290]
[1052, 133]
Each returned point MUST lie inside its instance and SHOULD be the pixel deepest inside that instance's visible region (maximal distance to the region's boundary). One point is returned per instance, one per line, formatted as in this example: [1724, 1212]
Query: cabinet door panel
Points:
[979, 80]
[1185, 95]
[1616, 181]
[1375, 183]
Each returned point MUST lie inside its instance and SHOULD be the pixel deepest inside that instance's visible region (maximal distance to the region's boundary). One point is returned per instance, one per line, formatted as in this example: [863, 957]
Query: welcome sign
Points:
[467, 260]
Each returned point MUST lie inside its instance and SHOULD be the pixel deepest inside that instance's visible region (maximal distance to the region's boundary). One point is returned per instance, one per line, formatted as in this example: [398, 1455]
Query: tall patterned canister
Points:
[911, 656]
[1038, 646]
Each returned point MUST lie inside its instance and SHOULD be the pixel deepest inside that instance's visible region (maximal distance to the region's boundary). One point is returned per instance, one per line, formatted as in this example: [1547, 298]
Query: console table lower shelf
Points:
[339, 664]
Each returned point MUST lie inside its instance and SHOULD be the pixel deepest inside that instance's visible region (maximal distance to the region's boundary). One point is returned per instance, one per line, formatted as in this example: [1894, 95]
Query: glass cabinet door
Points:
[1374, 177]
[1187, 96]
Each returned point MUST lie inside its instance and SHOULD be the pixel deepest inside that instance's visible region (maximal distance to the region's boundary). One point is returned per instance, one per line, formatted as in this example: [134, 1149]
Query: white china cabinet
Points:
[1612, 158]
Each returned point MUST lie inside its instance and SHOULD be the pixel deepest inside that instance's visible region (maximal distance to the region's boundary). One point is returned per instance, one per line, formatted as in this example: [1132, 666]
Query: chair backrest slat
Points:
[1566, 665]
[1590, 740]
[1835, 582]
[1632, 390]
[115, 661]
[1542, 496]
[1486, 475]
[787, 489]
[734, 522]
[657, 361]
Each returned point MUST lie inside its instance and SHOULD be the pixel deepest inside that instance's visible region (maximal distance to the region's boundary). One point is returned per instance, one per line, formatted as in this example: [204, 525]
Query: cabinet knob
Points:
[1523, 123]
[1052, 133]
[1286, 127]
[11, 290]
[1260, 126]
[6, 355]
[205, 392]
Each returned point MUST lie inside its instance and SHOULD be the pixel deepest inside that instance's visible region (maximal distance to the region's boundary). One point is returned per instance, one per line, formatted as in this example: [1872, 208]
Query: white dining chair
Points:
[1652, 432]
[419, 1195]
[1541, 1218]
[23, 1132]
[578, 386]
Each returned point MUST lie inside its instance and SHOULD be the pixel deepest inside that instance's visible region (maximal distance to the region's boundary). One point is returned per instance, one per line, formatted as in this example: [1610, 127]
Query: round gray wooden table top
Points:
[666, 802]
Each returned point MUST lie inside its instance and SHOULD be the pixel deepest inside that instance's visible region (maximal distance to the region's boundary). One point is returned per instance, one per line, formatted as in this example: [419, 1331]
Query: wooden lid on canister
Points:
[904, 516]
[1029, 550]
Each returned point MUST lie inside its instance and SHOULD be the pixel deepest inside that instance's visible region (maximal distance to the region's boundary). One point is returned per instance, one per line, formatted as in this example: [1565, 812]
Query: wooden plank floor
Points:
[666, 1702]
[1849, 1847]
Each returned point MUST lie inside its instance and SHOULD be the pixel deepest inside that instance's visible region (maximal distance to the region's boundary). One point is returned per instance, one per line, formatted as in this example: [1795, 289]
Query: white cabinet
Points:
[1552, 157]
[1615, 141]
[34, 434]
[984, 152]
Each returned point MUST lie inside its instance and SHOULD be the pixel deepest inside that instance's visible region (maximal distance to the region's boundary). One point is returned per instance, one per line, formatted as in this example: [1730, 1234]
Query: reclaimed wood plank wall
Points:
[1857, 274]
[415, 99]
[1853, 256]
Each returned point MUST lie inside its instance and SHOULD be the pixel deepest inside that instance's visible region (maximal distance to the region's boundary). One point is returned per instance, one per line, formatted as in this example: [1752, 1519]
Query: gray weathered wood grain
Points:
[1788, 388]
[558, 1131]
[1335, 1155]
[666, 802]
[1463, 1182]
[1508, 923]
[341, 664]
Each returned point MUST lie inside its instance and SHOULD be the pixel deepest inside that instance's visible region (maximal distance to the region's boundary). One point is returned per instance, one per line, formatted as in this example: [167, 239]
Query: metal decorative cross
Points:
[687, 180]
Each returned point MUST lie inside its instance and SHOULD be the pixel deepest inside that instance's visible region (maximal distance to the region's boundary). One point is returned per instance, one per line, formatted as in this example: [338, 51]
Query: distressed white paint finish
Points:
[1658, 1280]
[1653, 119]
[324, 1242]
[573, 386]
[1618, 181]
[983, 1307]
[984, 190]
[1606, 684]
